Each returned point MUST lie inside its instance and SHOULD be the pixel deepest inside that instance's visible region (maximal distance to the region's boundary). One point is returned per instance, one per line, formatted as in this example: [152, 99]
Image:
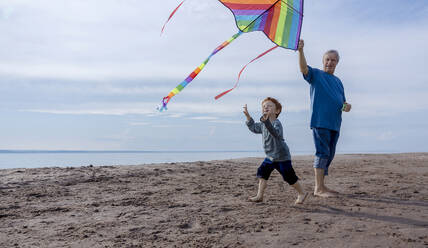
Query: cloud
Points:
[204, 118]
[102, 109]
[139, 123]
[212, 131]
[226, 122]
[6, 12]
[96, 60]
[386, 135]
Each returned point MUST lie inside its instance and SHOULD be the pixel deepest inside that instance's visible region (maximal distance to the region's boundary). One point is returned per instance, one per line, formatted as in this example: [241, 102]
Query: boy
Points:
[277, 152]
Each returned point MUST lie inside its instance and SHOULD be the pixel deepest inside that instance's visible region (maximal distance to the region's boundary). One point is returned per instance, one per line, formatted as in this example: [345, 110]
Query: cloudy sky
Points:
[88, 75]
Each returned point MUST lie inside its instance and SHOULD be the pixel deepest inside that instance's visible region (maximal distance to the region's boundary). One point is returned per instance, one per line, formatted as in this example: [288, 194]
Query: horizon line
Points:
[302, 152]
[115, 151]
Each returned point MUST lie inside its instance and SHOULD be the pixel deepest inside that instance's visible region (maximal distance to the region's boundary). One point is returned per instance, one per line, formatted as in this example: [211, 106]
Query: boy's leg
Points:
[289, 175]
[261, 191]
[263, 173]
[301, 193]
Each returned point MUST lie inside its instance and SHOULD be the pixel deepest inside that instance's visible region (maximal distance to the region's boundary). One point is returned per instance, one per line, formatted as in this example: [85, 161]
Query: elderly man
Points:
[327, 103]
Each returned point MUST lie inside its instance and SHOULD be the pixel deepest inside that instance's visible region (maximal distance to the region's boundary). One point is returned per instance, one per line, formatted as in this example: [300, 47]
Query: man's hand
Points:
[347, 107]
[302, 60]
[246, 112]
[301, 45]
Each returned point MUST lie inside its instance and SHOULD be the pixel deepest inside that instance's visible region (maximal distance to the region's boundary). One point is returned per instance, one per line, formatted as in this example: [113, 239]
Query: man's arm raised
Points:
[302, 60]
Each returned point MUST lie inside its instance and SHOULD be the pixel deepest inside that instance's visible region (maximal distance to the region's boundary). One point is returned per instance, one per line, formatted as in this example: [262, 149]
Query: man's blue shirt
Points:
[327, 98]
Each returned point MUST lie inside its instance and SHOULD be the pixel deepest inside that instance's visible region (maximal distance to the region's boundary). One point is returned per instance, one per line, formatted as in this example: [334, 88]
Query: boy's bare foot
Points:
[324, 194]
[256, 199]
[301, 198]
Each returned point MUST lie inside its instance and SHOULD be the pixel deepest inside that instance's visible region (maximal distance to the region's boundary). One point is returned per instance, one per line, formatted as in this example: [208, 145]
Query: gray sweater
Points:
[273, 141]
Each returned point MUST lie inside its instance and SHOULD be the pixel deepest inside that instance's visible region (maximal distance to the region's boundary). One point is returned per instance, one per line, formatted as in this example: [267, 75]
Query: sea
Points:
[10, 159]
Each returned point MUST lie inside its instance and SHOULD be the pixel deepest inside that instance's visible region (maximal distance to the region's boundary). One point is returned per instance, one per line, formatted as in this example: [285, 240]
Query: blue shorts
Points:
[325, 144]
[284, 168]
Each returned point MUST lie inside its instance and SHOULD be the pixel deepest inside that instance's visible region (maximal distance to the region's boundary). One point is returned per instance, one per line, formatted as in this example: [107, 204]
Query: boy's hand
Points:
[264, 117]
[347, 107]
[301, 45]
[246, 112]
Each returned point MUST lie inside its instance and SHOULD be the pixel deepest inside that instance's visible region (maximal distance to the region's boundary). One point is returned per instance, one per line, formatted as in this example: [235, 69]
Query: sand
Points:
[383, 202]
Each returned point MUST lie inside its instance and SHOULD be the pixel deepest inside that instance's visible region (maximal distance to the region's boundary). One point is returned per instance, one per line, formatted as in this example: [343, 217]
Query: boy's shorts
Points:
[283, 167]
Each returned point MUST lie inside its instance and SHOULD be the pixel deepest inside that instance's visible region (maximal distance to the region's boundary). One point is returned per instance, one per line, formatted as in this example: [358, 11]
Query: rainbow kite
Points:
[280, 20]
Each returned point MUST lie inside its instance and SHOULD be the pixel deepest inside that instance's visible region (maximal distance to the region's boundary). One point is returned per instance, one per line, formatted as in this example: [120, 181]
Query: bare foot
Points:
[256, 199]
[301, 198]
[324, 194]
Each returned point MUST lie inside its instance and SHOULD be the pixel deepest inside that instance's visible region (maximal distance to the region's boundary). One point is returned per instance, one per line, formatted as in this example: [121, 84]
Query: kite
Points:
[279, 20]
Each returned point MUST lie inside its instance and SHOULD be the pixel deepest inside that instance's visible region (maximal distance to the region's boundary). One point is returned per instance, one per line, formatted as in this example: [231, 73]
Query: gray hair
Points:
[335, 52]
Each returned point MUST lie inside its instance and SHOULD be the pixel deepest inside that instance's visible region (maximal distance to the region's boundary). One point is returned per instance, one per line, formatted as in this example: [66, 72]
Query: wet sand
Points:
[383, 202]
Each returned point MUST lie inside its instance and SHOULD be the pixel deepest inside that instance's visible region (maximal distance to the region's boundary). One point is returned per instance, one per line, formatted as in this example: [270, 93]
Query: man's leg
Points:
[333, 141]
[320, 188]
[322, 139]
[334, 137]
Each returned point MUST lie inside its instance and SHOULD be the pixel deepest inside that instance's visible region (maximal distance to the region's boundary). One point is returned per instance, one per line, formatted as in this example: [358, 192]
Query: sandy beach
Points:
[383, 202]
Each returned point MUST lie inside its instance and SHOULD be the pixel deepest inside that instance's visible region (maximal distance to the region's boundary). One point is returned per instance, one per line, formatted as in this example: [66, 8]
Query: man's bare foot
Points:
[256, 199]
[301, 198]
[324, 194]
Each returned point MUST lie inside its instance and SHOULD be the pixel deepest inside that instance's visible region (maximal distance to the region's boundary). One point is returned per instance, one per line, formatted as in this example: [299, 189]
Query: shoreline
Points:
[76, 159]
[383, 203]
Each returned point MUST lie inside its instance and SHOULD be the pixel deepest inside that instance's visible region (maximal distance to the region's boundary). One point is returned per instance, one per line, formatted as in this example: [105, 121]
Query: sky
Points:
[88, 75]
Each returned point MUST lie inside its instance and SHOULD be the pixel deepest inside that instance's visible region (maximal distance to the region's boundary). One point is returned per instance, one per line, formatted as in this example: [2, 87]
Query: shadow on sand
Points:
[385, 218]
[388, 200]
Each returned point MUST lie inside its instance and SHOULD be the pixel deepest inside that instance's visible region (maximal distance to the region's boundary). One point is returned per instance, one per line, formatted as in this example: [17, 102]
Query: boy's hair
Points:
[277, 104]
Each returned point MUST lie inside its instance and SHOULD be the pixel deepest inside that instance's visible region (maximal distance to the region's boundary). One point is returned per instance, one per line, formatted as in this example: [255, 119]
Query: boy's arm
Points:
[246, 113]
[254, 127]
[302, 60]
[275, 133]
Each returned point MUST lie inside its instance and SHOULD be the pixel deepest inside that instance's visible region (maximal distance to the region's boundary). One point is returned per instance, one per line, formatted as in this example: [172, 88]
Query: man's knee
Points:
[321, 162]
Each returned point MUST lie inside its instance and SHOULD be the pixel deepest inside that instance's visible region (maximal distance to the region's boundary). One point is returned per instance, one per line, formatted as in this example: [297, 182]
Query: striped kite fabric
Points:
[280, 20]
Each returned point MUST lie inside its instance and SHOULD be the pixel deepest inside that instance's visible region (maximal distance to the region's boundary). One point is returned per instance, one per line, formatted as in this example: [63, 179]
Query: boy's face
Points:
[269, 108]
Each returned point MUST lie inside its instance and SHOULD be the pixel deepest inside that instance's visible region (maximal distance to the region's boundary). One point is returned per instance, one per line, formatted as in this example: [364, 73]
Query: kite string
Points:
[240, 72]
[194, 73]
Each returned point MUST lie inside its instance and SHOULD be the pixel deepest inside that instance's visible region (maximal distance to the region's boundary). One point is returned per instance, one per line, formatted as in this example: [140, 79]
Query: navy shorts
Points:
[284, 168]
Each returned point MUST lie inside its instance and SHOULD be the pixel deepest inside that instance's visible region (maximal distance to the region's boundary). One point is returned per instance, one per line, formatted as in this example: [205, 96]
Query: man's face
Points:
[329, 61]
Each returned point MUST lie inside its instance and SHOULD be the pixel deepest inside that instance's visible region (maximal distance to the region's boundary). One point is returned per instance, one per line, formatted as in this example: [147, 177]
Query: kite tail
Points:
[192, 75]
[170, 16]
[239, 75]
